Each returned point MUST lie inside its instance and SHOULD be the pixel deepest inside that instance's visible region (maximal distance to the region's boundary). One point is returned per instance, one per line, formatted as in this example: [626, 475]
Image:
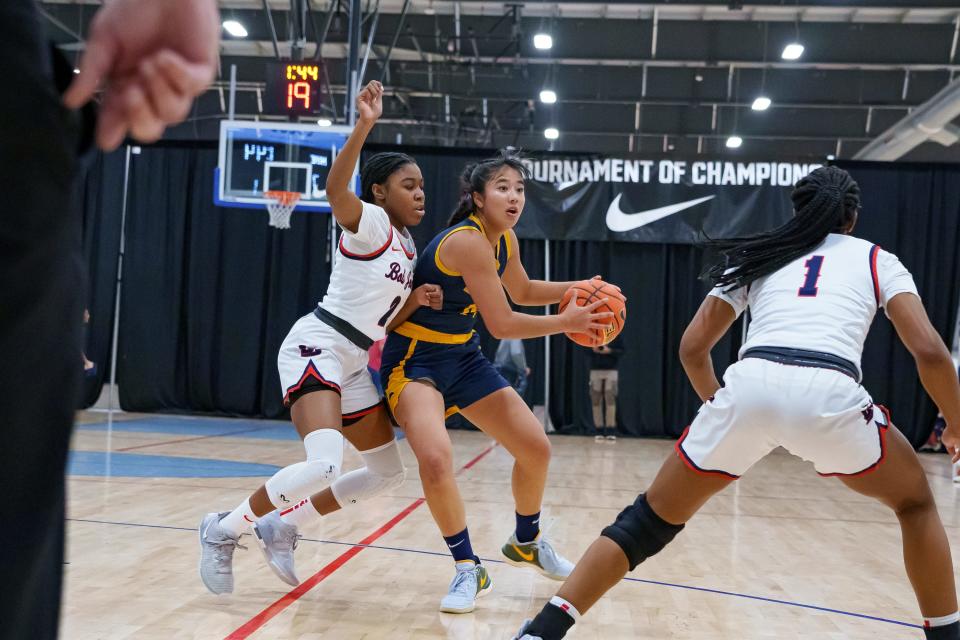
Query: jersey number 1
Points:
[809, 288]
[386, 316]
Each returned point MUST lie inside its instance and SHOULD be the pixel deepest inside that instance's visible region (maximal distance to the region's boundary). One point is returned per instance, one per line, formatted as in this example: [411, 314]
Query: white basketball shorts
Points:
[314, 356]
[820, 415]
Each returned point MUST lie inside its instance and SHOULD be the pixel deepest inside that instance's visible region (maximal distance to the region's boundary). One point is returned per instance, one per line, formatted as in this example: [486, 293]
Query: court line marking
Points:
[292, 596]
[442, 554]
[191, 439]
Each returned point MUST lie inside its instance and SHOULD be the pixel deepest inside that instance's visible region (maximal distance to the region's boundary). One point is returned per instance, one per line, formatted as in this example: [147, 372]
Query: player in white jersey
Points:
[323, 362]
[812, 292]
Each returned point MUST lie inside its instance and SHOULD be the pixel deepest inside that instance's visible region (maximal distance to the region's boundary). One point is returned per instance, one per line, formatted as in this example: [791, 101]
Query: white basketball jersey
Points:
[372, 273]
[824, 301]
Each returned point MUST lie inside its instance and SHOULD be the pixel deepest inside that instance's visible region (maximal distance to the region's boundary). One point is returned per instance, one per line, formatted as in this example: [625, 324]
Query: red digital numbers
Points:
[298, 91]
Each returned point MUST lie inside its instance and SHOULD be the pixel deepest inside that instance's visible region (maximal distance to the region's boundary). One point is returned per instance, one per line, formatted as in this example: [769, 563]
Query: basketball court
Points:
[780, 554]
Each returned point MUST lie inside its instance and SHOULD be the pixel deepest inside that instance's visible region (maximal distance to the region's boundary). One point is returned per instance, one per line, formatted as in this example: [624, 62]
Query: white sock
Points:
[238, 520]
[300, 514]
[566, 607]
[942, 621]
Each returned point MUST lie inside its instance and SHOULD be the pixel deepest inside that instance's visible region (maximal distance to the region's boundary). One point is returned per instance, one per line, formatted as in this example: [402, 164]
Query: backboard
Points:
[276, 156]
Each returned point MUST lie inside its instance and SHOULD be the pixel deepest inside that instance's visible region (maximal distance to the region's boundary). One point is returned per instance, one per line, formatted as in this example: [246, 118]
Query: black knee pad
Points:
[640, 532]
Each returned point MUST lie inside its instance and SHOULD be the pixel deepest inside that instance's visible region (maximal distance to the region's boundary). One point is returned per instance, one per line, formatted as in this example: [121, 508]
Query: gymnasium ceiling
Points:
[668, 77]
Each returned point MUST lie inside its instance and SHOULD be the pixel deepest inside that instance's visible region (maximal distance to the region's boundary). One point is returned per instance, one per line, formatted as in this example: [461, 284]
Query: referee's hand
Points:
[152, 57]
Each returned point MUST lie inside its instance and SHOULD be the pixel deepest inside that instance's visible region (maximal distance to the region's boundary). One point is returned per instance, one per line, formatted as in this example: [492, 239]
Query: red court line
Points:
[285, 601]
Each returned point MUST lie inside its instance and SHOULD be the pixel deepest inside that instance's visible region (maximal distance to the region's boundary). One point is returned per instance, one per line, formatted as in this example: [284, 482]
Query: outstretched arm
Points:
[344, 203]
[471, 255]
[937, 373]
[523, 290]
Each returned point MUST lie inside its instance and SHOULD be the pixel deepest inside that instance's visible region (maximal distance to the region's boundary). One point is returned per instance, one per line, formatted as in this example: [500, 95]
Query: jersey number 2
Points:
[809, 288]
[386, 316]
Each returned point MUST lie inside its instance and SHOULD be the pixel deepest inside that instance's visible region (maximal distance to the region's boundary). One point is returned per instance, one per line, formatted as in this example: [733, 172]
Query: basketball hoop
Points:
[280, 206]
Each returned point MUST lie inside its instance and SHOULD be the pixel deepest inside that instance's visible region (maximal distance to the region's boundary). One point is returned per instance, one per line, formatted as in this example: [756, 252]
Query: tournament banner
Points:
[661, 201]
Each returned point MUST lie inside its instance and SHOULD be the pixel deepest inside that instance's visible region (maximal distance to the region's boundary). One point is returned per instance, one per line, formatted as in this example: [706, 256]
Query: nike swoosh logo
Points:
[526, 556]
[620, 220]
[451, 546]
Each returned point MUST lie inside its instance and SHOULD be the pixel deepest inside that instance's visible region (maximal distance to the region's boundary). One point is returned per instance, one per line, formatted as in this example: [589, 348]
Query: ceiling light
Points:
[234, 28]
[734, 142]
[325, 122]
[830, 156]
[760, 103]
[548, 96]
[792, 51]
[551, 133]
[543, 41]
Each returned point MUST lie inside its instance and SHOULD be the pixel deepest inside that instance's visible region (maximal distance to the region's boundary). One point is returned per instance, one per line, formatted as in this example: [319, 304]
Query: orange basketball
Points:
[589, 291]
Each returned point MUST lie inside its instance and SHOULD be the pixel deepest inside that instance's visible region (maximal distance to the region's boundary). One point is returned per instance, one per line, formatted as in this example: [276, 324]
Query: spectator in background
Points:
[603, 388]
[511, 362]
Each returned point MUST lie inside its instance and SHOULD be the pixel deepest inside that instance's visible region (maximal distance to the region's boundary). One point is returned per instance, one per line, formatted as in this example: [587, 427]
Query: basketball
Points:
[589, 291]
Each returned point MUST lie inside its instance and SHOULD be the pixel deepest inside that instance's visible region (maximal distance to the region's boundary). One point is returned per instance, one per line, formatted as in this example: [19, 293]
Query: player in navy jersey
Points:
[432, 367]
[812, 291]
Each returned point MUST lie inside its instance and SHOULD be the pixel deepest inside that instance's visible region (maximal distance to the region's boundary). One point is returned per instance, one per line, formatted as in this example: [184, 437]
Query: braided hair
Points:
[476, 175]
[825, 201]
[377, 170]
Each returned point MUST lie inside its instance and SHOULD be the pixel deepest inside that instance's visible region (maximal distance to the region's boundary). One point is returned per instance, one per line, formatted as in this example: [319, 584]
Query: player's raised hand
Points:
[152, 57]
[370, 102]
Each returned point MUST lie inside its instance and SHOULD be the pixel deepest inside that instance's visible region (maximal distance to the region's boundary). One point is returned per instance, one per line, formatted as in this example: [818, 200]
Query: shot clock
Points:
[294, 87]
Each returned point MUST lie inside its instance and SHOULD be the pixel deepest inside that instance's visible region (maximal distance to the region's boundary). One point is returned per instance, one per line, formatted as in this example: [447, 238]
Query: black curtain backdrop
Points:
[209, 293]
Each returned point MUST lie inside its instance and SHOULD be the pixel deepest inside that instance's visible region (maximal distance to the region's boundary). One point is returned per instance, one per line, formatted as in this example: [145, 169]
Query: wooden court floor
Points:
[780, 554]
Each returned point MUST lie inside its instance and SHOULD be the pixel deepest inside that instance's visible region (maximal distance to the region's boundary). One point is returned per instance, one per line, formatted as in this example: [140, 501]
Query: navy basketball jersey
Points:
[454, 323]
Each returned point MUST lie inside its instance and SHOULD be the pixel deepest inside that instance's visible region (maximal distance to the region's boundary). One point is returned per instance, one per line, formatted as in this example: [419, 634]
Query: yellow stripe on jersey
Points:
[416, 332]
[436, 255]
[452, 410]
[509, 246]
[398, 379]
[479, 222]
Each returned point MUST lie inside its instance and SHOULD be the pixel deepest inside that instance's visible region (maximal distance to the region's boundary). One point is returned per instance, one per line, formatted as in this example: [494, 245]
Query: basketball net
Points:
[280, 207]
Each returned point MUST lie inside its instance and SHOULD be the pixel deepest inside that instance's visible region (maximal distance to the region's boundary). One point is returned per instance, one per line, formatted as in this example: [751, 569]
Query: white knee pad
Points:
[383, 471]
[303, 479]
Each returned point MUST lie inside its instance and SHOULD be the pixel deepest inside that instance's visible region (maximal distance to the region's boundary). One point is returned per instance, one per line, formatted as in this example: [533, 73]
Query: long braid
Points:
[824, 201]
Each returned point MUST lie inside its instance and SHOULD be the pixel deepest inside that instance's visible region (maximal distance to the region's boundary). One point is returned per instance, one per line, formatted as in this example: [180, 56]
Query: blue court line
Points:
[211, 427]
[208, 427]
[137, 465]
[732, 594]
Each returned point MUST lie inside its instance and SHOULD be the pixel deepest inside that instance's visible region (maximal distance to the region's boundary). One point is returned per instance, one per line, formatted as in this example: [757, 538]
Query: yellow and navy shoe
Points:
[471, 582]
[539, 555]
